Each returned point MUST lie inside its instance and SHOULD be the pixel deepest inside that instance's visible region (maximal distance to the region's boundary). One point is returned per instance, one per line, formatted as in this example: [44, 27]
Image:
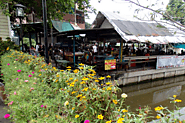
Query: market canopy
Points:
[62, 26]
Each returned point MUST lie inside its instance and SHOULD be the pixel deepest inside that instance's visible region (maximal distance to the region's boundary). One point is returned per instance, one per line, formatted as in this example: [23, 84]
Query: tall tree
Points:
[176, 9]
[56, 9]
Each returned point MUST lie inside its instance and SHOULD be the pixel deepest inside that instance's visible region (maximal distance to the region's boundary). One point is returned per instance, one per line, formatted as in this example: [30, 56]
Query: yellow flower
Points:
[73, 108]
[158, 108]
[58, 117]
[177, 100]
[67, 81]
[54, 68]
[61, 70]
[56, 80]
[58, 75]
[108, 83]
[73, 92]
[109, 121]
[61, 89]
[115, 101]
[81, 67]
[123, 95]
[100, 117]
[68, 67]
[66, 103]
[83, 97]
[72, 84]
[109, 88]
[108, 76]
[174, 96]
[81, 64]
[76, 116]
[40, 74]
[94, 88]
[120, 120]
[85, 89]
[76, 71]
[103, 88]
[70, 78]
[46, 115]
[101, 78]
[96, 80]
[124, 110]
[46, 69]
[82, 82]
[85, 78]
[7, 48]
[79, 96]
[158, 117]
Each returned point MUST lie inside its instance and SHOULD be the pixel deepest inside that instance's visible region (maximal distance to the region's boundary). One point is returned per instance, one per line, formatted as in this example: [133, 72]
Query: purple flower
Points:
[8, 64]
[86, 121]
[18, 70]
[42, 106]
[7, 116]
[33, 72]
[30, 75]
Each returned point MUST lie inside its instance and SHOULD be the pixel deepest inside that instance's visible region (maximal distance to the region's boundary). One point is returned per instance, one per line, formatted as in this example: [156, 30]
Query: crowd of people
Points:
[37, 50]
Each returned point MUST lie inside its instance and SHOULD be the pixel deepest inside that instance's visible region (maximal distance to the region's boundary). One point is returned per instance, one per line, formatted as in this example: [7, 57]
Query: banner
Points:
[110, 64]
[170, 61]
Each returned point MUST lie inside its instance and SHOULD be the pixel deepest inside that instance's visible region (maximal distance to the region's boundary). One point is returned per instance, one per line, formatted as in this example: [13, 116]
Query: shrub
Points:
[38, 92]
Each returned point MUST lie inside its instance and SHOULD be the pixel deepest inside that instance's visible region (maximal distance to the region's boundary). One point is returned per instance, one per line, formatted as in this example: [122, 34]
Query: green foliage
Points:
[175, 9]
[38, 92]
[5, 46]
[87, 25]
[56, 9]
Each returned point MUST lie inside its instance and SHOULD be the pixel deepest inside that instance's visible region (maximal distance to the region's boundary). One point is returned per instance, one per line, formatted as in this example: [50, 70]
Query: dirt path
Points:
[3, 112]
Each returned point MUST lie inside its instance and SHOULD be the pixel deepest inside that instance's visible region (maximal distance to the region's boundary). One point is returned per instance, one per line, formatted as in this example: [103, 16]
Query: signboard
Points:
[170, 61]
[110, 64]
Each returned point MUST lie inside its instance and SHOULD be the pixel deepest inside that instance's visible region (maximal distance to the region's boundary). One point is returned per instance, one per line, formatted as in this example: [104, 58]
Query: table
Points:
[64, 63]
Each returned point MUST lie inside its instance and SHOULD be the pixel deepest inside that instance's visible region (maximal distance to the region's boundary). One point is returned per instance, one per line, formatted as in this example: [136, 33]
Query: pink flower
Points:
[26, 81]
[10, 103]
[7, 116]
[16, 59]
[32, 88]
[30, 75]
[139, 107]
[33, 72]
[86, 121]
[15, 93]
[1, 74]
[34, 83]
[18, 70]
[17, 78]
[45, 106]
[42, 106]
[8, 64]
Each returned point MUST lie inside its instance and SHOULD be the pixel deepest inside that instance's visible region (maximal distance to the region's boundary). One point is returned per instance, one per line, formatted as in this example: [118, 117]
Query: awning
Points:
[62, 26]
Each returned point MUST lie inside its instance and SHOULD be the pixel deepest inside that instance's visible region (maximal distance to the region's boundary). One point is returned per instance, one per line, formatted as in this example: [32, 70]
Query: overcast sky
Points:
[125, 8]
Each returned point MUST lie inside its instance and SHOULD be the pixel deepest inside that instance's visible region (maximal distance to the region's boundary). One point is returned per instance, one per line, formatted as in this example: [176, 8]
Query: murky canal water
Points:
[155, 93]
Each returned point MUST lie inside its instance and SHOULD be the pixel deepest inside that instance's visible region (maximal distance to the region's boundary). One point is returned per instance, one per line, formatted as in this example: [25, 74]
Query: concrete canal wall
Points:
[138, 76]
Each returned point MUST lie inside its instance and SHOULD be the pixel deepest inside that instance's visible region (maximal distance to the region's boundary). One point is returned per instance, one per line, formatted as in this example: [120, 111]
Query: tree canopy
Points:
[176, 9]
[56, 9]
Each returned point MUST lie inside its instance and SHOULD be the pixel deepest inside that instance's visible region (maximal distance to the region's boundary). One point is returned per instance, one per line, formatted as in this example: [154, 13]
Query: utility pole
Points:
[45, 30]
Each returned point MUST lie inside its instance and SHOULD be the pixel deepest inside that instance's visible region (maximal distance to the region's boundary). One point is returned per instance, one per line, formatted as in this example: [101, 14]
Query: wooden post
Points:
[30, 39]
[39, 37]
[74, 49]
[36, 36]
[121, 57]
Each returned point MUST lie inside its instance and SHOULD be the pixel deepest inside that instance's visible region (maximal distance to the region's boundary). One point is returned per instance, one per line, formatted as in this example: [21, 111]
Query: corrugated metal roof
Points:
[141, 28]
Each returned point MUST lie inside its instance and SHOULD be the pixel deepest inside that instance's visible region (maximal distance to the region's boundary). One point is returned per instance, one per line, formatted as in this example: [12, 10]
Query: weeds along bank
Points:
[39, 93]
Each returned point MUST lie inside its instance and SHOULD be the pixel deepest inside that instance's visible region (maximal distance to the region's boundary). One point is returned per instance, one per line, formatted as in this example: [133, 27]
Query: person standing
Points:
[95, 51]
[37, 49]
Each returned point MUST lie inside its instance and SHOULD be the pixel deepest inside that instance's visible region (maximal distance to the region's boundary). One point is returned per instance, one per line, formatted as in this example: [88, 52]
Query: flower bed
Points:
[38, 92]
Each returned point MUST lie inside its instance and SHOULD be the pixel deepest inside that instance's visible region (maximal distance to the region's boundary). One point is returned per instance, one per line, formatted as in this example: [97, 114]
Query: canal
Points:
[155, 93]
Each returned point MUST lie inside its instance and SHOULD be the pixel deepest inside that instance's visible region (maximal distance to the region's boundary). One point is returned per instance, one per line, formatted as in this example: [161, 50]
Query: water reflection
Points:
[155, 93]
